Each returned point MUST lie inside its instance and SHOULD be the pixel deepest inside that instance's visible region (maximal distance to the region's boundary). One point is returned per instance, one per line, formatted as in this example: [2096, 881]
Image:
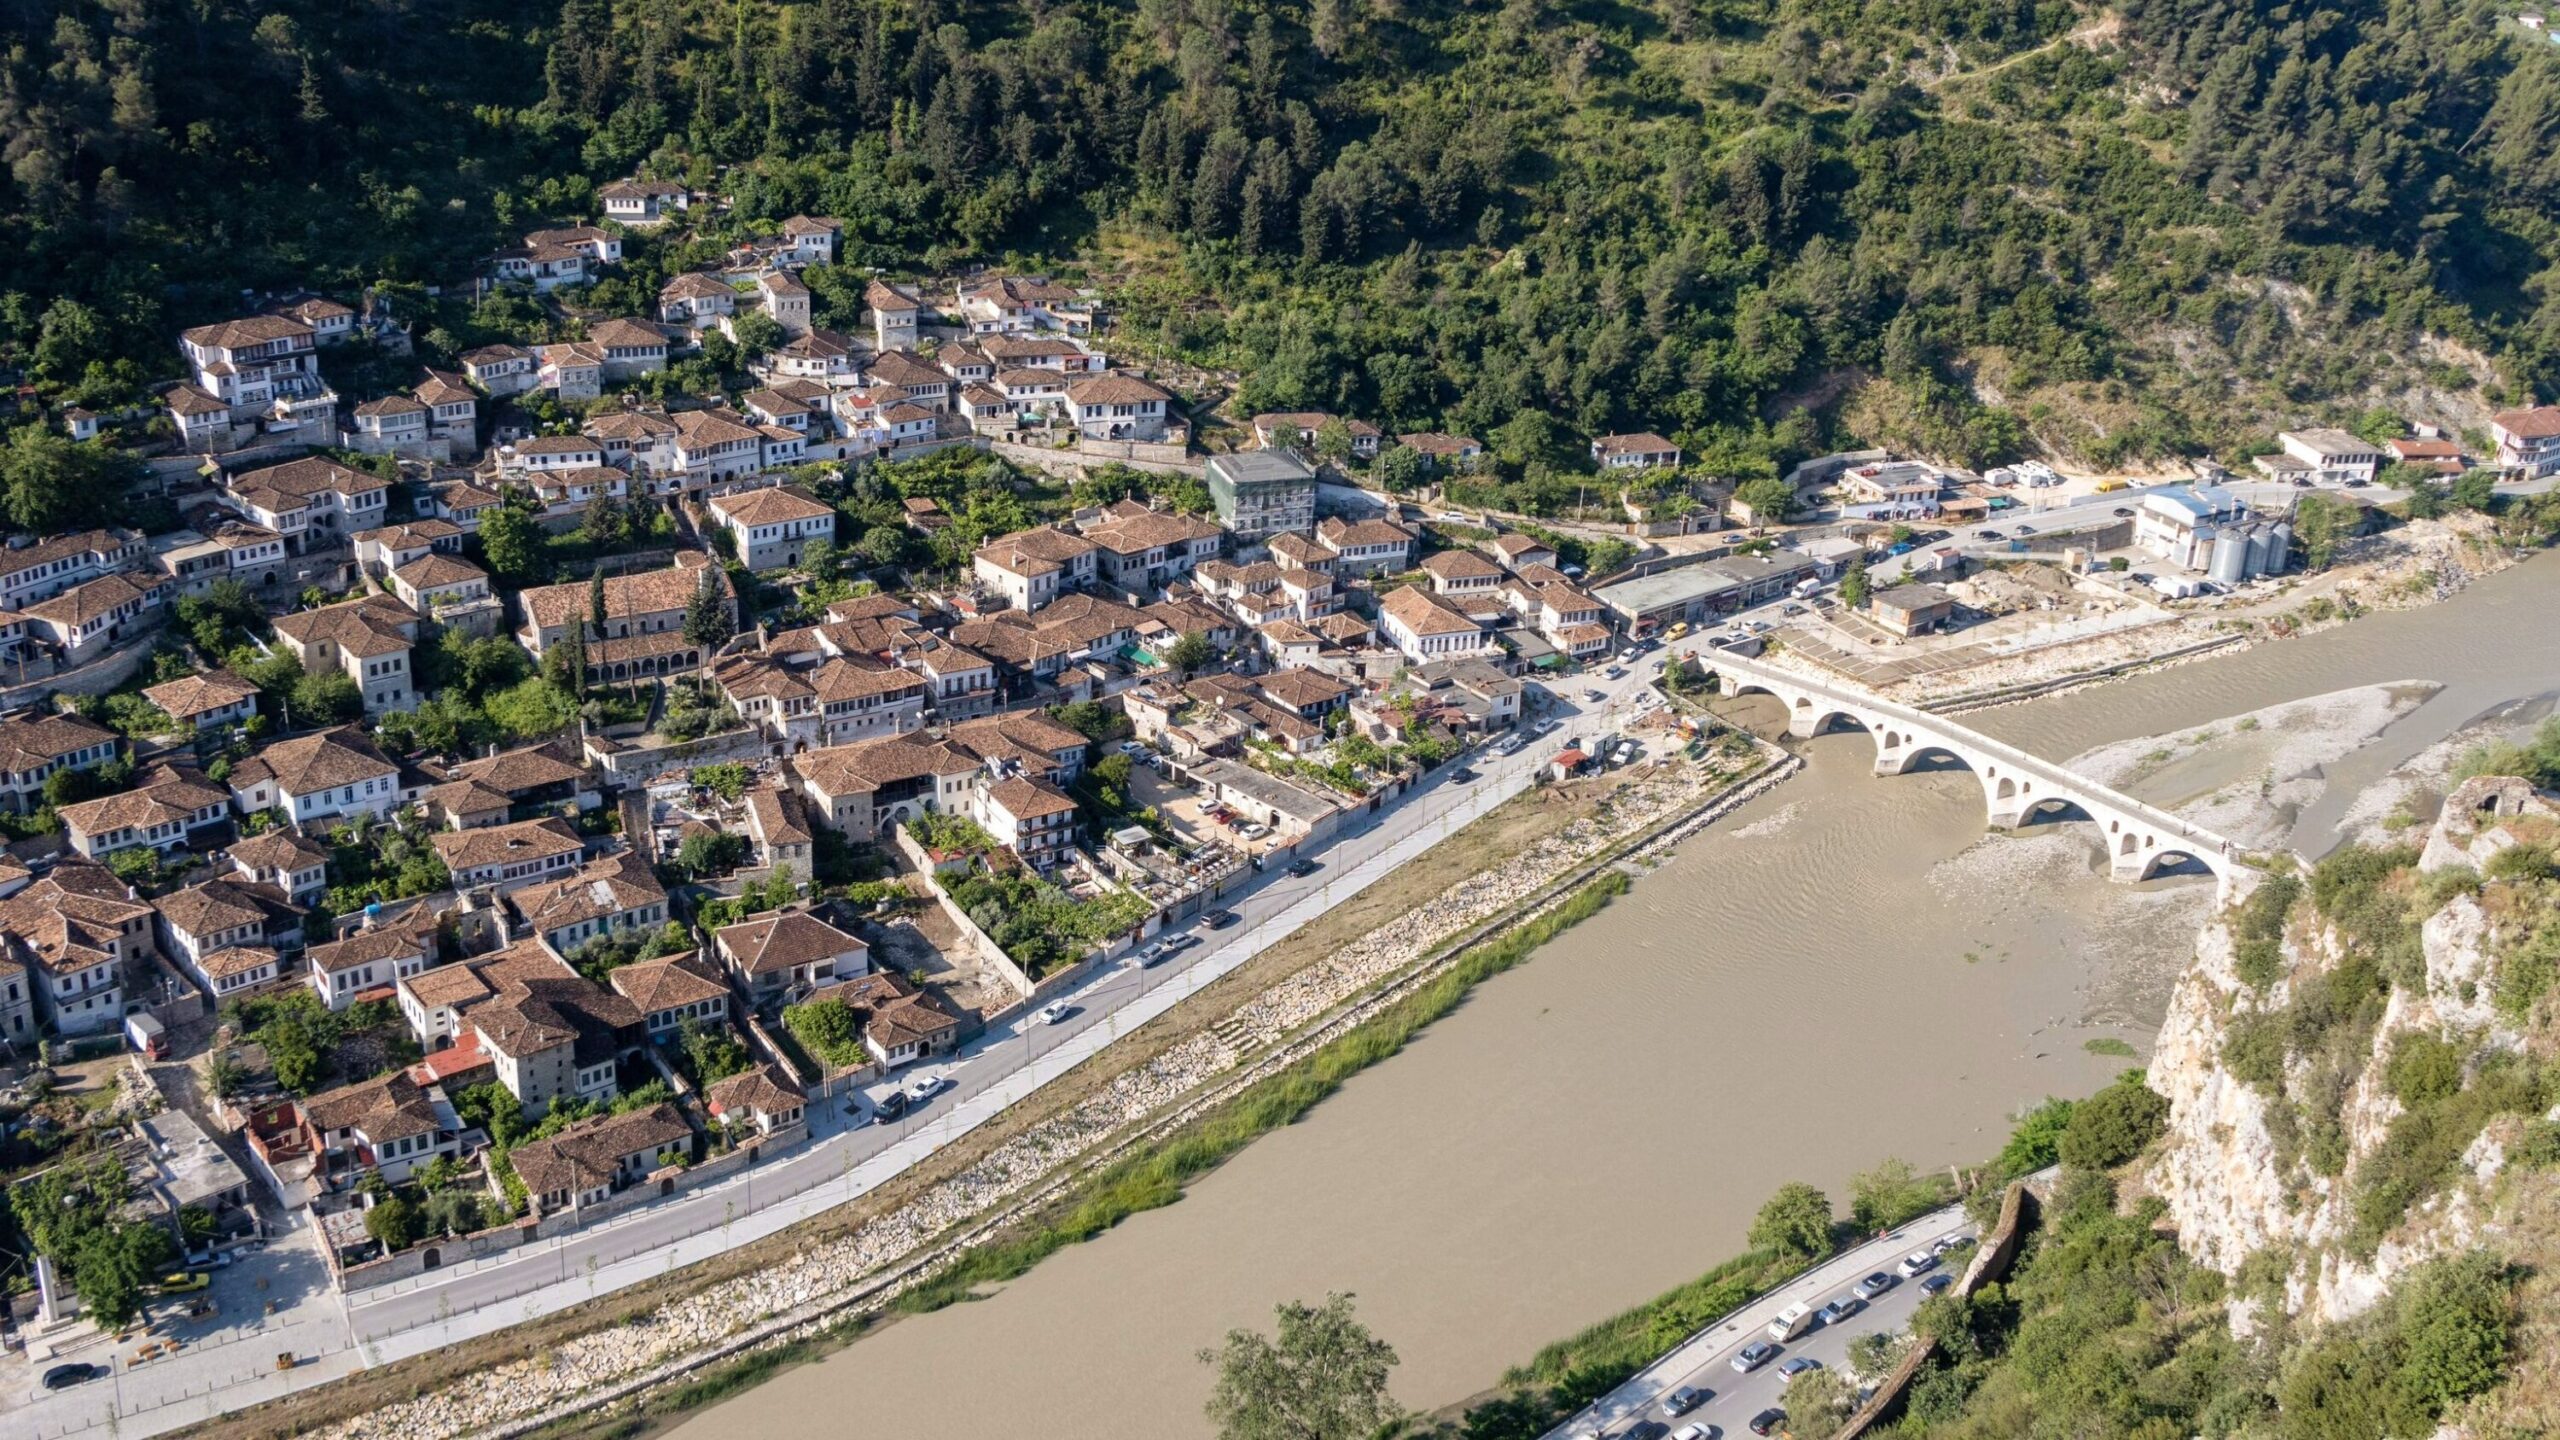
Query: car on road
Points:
[1614, 672]
[78, 1372]
[1154, 955]
[1754, 1355]
[889, 1107]
[1873, 1286]
[1462, 776]
[1451, 516]
[2024, 531]
[1768, 1421]
[1302, 868]
[1514, 745]
[1699, 1431]
[1918, 1262]
[1547, 726]
[1798, 1366]
[1182, 942]
[1643, 1430]
[1218, 919]
[1936, 1283]
[1685, 1399]
[2122, 512]
[1595, 697]
[925, 1087]
[1986, 534]
[1051, 1014]
[1840, 1309]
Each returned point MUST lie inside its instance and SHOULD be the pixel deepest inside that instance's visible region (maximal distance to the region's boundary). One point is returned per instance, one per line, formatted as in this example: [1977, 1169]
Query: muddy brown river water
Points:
[1847, 969]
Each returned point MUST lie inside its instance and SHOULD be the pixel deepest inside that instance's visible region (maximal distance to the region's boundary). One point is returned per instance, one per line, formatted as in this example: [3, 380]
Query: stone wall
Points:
[1991, 1261]
[638, 765]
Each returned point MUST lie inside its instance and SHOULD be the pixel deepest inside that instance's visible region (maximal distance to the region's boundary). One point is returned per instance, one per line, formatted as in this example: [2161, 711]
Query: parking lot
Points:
[1190, 816]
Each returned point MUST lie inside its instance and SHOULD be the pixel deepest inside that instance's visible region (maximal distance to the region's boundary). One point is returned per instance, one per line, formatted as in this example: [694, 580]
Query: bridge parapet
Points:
[2017, 786]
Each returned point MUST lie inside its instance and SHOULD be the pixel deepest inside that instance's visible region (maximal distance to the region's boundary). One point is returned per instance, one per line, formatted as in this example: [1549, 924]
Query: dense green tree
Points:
[513, 544]
[1795, 1221]
[1322, 1376]
[2114, 1125]
[706, 619]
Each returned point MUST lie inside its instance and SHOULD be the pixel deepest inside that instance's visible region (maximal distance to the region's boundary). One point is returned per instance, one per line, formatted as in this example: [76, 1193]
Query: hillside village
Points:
[527, 788]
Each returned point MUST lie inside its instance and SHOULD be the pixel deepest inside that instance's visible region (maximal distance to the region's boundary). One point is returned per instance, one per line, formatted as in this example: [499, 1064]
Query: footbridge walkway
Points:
[2017, 787]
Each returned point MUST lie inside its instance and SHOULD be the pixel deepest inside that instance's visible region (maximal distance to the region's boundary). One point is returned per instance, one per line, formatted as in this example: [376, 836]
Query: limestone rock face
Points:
[2231, 1190]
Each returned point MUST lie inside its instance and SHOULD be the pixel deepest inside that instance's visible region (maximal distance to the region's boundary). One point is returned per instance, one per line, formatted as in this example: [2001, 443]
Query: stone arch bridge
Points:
[2017, 787]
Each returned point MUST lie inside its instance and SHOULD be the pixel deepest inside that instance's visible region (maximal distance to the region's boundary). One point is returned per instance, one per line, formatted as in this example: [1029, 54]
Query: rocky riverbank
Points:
[814, 1289]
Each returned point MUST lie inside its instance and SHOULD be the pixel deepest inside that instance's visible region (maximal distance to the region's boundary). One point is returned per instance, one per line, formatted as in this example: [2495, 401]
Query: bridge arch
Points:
[2017, 787]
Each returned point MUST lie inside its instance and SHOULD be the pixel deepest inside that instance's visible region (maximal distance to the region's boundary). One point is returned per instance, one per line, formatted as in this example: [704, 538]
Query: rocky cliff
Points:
[2300, 1042]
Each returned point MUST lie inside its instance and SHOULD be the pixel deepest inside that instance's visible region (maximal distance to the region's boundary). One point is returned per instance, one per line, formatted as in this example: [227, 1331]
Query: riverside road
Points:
[227, 1368]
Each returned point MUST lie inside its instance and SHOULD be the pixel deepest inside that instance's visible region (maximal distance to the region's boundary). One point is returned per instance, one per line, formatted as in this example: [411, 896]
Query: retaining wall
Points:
[1991, 1261]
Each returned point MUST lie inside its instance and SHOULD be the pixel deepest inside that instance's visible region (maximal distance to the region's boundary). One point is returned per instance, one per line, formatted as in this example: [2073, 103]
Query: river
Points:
[1844, 970]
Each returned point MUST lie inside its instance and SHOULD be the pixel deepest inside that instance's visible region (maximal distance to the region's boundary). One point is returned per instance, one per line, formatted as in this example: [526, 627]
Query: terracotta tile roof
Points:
[653, 592]
[1462, 565]
[1041, 550]
[387, 1107]
[301, 479]
[1422, 613]
[28, 742]
[188, 400]
[464, 851]
[772, 505]
[312, 763]
[882, 295]
[89, 601]
[1129, 534]
[163, 795]
[1114, 390]
[279, 850]
[443, 387]
[867, 765]
[233, 960]
[391, 405]
[626, 334]
[246, 331]
[218, 905]
[763, 1088]
[840, 679]
[667, 982]
[408, 535]
[612, 885]
[695, 285]
[1642, 442]
[1431, 442]
[771, 943]
[373, 626]
[628, 425]
[589, 1154]
[891, 1011]
[67, 919]
[381, 944]
[778, 816]
[435, 570]
[2541, 422]
[517, 771]
[1028, 799]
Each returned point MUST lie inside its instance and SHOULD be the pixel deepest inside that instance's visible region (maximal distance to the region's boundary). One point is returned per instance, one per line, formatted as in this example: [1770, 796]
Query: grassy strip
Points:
[1628, 1341]
[1156, 1175]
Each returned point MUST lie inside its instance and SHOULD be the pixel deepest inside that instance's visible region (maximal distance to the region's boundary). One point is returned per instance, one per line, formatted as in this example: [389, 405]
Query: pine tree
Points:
[706, 621]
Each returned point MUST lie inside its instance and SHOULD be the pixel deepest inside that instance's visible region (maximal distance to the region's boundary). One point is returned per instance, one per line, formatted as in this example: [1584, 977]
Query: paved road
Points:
[845, 1159]
[1704, 1360]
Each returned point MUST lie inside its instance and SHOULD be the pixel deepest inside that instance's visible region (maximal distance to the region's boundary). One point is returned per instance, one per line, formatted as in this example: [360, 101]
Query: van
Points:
[2109, 487]
[1791, 1322]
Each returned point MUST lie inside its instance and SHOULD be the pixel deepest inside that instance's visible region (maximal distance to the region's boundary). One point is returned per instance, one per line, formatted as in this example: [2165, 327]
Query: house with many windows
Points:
[333, 775]
[367, 640]
[774, 525]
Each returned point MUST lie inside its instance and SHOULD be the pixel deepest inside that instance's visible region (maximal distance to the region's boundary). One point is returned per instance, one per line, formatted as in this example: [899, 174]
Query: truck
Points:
[1791, 1322]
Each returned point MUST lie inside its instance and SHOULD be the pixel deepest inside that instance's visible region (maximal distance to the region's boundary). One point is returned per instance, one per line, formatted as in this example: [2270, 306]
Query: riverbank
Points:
[792, 1288]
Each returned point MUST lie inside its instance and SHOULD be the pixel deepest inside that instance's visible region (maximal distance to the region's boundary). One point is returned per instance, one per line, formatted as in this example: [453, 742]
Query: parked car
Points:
[1957, 1241]
[1615, 672]
[1595, 697]
[2024, 531]
[1918, 1262]
[1302, 867]
[78, 1372]
[1798, 1366]
[1181, 942]
[1986, 534]
[889, 1107]
[1154, 955]
[1873, 1286]
[1685, 1399]
[1253, 830]
[1218, 919]
[1936, 1283]
[1052, 1013]
[2122, 512]
[1768, 1421]
[1643, 1430]
[1462, 776]
[1754, 1355]
[1694, 1432]
[1841, 1309]
[1133, 750]
[184, 1282]
[925, 1087]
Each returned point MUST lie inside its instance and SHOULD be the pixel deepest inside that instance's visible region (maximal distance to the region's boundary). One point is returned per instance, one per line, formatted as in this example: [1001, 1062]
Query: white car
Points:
[925, 1087]
[1051, 1014]
[1918, 1262]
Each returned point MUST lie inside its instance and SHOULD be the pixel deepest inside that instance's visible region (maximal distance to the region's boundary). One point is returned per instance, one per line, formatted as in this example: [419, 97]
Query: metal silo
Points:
[2260, 540]
[2279, 548]
[2230, 558]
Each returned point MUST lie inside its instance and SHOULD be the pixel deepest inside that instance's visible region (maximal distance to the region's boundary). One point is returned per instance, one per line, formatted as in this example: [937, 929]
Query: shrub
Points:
[1796, 1221]
[2423, 1069]
[2114, 1125]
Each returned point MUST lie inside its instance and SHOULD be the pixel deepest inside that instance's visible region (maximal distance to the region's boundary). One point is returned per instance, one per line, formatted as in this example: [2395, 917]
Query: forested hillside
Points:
[1977, 225]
